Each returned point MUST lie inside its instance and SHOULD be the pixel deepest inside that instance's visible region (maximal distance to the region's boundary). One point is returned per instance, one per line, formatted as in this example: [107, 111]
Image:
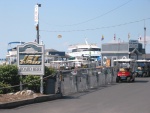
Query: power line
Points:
[92, 29]
[102, 14]
[97, 16]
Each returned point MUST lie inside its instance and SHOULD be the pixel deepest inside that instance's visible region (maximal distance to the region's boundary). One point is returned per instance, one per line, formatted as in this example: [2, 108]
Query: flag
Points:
[59, 36]
[102, 37]
[140, 38]
[114, 36]
[128, 35]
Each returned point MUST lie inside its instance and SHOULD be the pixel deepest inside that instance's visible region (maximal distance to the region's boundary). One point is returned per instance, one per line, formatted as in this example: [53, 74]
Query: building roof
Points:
[51, 50]
[135, 51]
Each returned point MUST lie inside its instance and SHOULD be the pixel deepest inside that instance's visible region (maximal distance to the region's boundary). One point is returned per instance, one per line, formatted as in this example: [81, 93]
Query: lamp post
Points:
[36, 18]
[90, 56]
[118, 46]
[145, 41]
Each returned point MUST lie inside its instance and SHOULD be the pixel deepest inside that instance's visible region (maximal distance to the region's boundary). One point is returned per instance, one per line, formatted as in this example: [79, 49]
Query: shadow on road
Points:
[141, 81]
[77, 95]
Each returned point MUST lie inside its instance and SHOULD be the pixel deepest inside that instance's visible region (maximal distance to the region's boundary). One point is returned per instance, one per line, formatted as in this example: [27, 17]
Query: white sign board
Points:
[133, 43]
[30, 59]
[36, 14]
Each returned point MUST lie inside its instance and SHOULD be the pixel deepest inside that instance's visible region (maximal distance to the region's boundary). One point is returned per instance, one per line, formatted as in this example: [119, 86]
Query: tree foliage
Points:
[8, 78]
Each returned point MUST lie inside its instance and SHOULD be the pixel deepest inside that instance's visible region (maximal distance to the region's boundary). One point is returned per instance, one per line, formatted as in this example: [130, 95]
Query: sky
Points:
[75, 21]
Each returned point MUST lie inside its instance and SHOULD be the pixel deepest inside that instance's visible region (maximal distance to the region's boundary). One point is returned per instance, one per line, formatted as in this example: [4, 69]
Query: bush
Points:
[8, 77]
[5, 88]
[32, 82]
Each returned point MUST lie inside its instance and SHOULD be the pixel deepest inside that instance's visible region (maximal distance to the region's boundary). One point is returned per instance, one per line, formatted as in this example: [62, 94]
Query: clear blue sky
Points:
[75, 20]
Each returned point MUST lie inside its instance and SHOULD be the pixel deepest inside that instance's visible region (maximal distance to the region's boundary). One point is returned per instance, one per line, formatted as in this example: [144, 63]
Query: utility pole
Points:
[36, 19]
[145, 39]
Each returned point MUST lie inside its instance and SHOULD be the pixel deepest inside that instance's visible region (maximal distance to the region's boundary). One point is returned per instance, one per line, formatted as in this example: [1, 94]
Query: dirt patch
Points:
[5, 98]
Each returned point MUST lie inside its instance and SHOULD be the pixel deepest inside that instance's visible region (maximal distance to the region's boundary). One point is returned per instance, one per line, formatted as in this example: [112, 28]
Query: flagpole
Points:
[128, 36]
[114, 37]
[145, 39]
[101, 42]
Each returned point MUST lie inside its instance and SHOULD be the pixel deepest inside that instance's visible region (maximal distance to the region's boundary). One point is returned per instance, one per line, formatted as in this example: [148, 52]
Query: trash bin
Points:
[50, 86]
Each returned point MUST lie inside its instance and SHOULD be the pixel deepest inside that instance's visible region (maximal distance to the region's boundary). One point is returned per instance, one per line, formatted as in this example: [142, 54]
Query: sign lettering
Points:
[26, 69]
[31, 59]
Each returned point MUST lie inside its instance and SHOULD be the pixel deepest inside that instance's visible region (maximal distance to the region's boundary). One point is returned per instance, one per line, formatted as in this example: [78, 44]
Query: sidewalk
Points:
[30, 101]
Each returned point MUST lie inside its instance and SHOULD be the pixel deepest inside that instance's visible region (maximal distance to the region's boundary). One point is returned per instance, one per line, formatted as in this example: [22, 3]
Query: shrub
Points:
[8, 78]
[32, 82]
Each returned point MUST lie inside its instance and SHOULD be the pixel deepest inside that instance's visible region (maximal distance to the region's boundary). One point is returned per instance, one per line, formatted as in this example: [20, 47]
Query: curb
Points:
[30, 101]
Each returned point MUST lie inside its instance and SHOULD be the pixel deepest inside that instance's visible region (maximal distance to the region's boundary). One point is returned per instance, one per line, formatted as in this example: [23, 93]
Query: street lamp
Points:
[90, 55]
[118, 46]
[145, 42]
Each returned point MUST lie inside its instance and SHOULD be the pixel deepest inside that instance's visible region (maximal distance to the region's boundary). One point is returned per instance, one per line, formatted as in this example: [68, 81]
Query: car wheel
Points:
[117, 79]
[144, 75]
[136, 75]
[128, 79]
[133, 80]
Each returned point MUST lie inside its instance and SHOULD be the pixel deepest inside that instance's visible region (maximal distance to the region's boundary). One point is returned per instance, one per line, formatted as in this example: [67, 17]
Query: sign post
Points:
[30, 61]
[41, 84]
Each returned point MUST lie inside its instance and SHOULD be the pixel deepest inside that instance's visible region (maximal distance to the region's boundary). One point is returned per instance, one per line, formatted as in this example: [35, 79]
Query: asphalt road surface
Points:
[117, 98]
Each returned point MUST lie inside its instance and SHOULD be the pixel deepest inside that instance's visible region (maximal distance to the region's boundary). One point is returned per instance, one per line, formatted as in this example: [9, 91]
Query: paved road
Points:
[119, 98]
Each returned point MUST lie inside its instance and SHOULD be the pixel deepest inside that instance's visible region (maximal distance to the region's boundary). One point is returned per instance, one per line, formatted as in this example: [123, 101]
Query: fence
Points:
[78, 80]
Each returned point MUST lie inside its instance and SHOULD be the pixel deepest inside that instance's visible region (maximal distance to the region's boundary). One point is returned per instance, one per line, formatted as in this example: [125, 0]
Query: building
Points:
[121, 50]
[54, 55]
